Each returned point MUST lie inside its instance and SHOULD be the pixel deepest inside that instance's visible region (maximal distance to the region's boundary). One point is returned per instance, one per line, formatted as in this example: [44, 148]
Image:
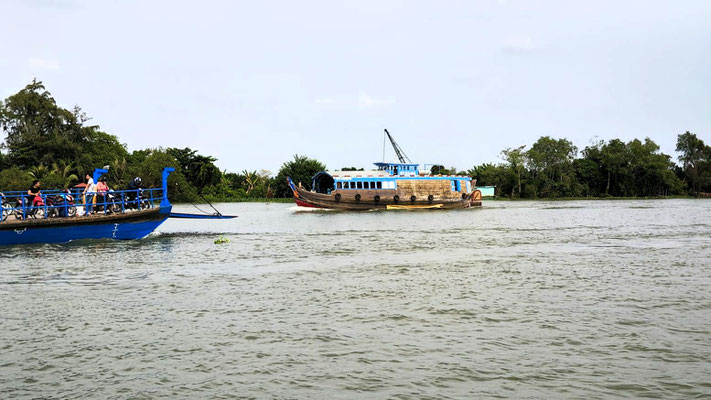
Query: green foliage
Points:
[99, 149]
[244, 185]
[199, 170]
[550, 169]
[493, 175]
[150, 170]
[516, 159]
[551, 166]
[300, 169]
[14, 178]
[64, 172]
[221, 240]
[220, 193]
[695, 157]
[441, 170]
[40, 132]
[623, 169]
[587, 173]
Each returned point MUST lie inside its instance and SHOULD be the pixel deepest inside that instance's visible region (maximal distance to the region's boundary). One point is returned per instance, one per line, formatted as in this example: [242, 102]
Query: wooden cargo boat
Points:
[392, 186]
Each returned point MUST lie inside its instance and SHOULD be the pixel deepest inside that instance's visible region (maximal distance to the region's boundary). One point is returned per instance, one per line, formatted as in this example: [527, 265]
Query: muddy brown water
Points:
[569, 299]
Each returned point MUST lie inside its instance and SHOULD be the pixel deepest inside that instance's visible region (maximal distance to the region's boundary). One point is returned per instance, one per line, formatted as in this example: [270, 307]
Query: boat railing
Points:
[70, 203]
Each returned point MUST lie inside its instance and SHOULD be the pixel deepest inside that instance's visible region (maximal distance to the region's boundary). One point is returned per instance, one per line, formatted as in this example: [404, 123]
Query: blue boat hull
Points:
[120, 227]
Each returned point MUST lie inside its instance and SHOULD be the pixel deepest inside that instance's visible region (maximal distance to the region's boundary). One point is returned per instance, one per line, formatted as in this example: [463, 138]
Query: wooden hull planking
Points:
[384, 200]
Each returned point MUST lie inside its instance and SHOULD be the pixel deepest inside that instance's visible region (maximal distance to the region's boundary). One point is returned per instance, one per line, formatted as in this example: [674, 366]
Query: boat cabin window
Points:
[369, 185]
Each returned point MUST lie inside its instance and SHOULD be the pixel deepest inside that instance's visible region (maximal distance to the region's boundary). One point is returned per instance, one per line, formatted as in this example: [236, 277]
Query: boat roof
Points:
[384, 164]
[357, 174]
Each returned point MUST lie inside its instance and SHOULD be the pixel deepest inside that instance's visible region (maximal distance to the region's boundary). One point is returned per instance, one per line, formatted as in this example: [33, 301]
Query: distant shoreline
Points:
[255, 200]
[503, 199]
[597, 198]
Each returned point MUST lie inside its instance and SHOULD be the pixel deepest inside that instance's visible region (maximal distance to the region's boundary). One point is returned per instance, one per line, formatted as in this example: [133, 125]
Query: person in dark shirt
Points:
[34, 193]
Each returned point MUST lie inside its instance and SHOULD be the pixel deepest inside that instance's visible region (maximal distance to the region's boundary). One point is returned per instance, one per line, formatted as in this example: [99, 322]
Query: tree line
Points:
[553, 168]
[58, 146]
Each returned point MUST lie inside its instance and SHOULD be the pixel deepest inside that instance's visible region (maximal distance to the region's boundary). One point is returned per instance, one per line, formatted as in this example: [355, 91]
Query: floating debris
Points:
[221, 240]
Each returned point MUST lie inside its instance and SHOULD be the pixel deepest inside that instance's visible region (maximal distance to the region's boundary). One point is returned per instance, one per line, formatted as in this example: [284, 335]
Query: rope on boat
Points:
[200, 209]
[210, 204]
[217, 212]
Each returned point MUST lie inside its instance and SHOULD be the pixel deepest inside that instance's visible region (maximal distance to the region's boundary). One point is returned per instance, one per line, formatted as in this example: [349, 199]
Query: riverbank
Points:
[595, 198]
[290, 200]
[245, 200]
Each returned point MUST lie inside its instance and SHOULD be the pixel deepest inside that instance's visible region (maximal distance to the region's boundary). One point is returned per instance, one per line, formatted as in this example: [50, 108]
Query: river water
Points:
[565, 299]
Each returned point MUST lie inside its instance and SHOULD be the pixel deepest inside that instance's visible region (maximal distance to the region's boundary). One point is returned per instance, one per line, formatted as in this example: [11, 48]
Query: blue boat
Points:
[123, 214]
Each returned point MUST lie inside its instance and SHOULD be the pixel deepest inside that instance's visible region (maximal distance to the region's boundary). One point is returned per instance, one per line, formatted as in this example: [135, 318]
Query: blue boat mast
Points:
[164, 202]
[97, 174]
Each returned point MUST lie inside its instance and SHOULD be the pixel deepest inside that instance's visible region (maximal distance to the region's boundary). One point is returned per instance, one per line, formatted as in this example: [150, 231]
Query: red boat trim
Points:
[301, 203]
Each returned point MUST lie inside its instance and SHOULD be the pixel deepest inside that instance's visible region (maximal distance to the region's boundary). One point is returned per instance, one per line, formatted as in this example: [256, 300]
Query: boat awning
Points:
[322, 182]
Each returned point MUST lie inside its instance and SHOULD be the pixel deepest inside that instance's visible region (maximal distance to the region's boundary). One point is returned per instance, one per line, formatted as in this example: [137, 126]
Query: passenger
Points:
[133, 196]
[101, 189]
[89, 194]
[135, 183]
[63, 201]
[34, 194]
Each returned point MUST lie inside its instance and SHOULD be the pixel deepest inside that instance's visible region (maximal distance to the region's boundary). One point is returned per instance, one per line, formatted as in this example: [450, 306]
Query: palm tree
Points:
[39, 172]
[64, 171]
[251, 178]
[118, 172]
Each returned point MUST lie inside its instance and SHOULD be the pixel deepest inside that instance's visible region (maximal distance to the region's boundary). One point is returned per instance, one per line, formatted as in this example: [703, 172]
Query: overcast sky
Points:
[254, 82]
